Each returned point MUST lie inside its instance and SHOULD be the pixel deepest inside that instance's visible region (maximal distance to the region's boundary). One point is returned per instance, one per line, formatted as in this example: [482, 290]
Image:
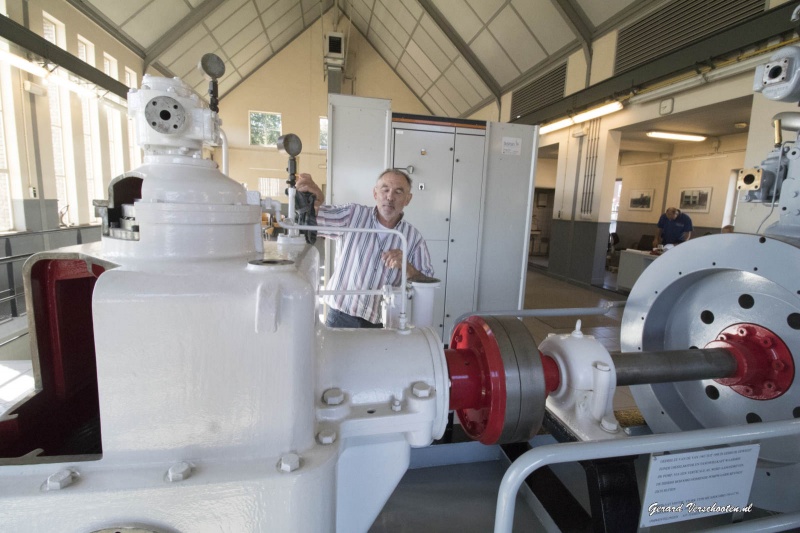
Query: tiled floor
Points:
[16, 380]
[543, 292]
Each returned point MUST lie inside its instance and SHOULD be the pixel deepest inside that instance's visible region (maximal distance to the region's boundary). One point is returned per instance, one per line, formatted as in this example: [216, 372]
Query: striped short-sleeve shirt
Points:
[358, 262]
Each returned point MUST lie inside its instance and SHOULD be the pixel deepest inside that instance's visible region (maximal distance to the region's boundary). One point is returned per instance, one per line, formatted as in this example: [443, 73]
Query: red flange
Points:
[477, 380]
[765, 365]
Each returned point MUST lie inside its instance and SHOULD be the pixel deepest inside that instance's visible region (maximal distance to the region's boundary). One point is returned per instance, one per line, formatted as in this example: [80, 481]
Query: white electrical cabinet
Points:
[472, 184]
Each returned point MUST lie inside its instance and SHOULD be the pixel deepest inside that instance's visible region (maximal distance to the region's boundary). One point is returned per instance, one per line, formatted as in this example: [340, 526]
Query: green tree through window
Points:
[265, 128]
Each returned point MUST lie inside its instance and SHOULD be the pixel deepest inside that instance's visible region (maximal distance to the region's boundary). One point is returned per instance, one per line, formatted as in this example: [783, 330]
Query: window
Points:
[91, 134]
[615, 205]
[85, 51]
[110, 66]
[323, 133]
[135, 152]
[265, 128]
[53, 31]
[6, 219]
[271, 187]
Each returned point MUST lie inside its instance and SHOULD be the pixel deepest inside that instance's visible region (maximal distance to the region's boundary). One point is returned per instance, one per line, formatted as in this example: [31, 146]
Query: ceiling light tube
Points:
[597, 112]
[675, 136]
[23, 64]
[553, 126]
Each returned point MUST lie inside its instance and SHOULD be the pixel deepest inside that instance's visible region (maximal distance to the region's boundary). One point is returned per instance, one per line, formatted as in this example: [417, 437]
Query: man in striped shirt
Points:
[369, 260]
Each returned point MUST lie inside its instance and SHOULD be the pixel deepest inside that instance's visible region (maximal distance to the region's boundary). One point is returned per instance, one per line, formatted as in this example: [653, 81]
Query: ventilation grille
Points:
[677, 25]
[539, 93]
[335, 44]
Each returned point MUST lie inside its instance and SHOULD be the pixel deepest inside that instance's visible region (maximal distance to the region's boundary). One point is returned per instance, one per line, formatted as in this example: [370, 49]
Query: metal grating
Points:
[540, 93]
[677, 25]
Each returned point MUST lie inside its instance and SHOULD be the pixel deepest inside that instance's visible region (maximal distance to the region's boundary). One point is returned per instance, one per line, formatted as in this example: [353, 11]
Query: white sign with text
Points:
[683, 486]
[512, 146]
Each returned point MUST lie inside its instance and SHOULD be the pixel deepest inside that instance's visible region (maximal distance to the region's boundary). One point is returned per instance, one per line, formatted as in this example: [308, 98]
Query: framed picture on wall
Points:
[696, 200]
[541, 199]
[641, 199]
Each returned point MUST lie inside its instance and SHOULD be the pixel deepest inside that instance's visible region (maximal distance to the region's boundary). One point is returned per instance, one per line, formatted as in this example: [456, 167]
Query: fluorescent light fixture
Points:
[675, 136]
[50, 77]
[556, 126]
[597, 112]
[23, 64]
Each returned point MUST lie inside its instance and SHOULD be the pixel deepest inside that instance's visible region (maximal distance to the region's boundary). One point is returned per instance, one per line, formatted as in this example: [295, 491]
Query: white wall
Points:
[691, 165]
[546, 170]
[292, 83]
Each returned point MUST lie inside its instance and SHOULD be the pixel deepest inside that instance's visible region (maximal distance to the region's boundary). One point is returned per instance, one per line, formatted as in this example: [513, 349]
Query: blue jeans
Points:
[338, 319]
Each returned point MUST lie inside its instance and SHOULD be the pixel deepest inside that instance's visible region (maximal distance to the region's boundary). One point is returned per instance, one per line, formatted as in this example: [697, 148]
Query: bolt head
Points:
[59, 480]
[289, 462]
[326, 436]
[420, 389]
[609, 424]
[396, 406]
[333, 396]
[179, 472]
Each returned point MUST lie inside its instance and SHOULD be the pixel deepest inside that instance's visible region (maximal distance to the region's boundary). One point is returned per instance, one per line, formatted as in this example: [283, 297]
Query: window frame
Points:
[250, 128]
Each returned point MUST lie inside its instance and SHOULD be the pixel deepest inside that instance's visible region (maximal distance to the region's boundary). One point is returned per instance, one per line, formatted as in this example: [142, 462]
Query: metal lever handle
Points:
[409, 169]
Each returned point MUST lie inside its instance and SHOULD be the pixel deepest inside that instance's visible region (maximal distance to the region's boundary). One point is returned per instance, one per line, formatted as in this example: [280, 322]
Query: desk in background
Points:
[631, 265]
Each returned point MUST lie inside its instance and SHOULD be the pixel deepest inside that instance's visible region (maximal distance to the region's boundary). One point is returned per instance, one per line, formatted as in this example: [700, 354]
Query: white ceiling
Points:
[456, 55]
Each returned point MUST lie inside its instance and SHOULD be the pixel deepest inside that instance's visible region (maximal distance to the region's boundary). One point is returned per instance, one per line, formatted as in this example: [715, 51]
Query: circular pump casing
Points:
[692, 296]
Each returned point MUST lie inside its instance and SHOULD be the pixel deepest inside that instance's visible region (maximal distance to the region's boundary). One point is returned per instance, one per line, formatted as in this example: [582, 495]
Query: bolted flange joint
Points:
[765, 367]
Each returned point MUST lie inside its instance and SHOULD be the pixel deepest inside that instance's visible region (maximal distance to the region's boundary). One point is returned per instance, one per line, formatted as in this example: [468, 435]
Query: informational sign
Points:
[684, 486]
[512, 146]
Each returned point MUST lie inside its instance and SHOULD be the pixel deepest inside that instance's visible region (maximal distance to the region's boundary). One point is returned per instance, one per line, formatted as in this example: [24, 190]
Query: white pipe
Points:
[289, 224]
[583, 451]
[224, 151]
[290, 216]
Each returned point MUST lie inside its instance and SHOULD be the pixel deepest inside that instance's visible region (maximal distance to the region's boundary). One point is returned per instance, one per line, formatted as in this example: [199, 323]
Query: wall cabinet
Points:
[472, 195]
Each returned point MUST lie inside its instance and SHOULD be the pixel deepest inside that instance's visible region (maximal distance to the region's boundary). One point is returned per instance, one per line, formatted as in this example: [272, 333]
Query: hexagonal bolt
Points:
[289, 462]
[59, 480]
[333, 396]
[778, 365]
[766, 342]
[179, 472]
[397, 406]
[609, 424]
[769, 385]
[326, 436]
[420, 389]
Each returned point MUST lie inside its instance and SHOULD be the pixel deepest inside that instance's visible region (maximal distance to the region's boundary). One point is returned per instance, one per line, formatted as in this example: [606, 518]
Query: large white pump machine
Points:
[185, 384]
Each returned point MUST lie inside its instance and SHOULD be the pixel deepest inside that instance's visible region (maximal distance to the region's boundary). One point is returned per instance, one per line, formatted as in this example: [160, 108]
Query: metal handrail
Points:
[584, 451]
[550, 312]
[289, 224]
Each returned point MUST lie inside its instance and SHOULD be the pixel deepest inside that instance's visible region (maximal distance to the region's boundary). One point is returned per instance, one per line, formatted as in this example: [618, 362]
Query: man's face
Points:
[392, 193]
[672, 214]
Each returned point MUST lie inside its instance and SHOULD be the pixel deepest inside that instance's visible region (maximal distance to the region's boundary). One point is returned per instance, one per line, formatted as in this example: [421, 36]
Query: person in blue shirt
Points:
[674, 227]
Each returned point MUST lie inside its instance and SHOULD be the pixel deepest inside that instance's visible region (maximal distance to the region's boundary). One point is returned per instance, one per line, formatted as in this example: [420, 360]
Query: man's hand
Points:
[305, 183]
[394, 259]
